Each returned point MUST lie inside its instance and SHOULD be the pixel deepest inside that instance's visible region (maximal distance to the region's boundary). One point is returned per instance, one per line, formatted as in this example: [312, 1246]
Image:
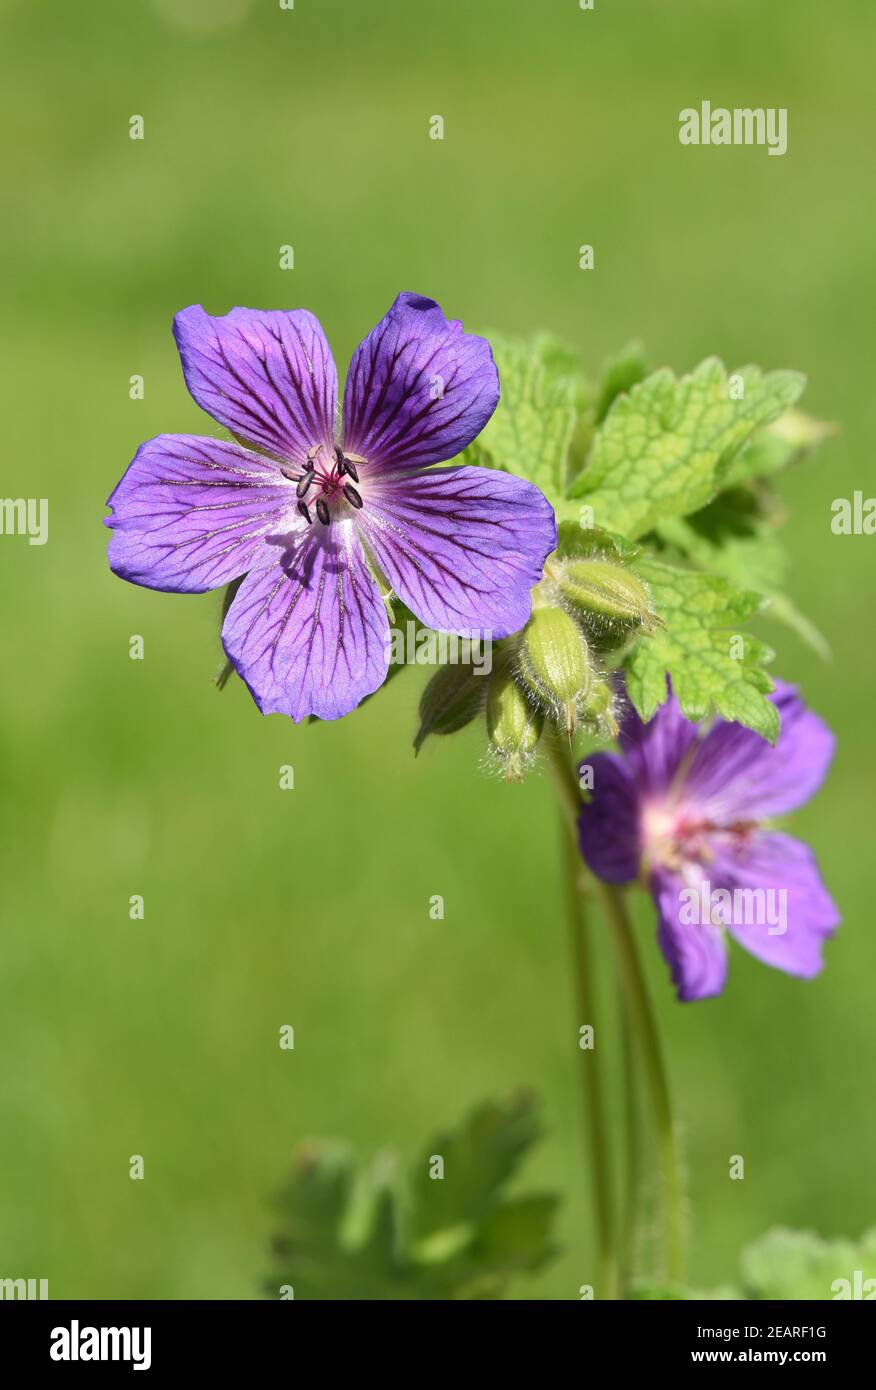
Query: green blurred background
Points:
[265, 907]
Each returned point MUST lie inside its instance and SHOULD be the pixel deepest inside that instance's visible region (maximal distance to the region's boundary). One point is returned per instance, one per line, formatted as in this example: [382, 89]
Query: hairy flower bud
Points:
[554, 663]
[452, 699]
[514, 724]
[606, 593]
[598, 709]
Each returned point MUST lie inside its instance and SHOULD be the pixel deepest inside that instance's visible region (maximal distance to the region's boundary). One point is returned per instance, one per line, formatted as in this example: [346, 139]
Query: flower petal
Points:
[462, 547]
[786, 912]
[608, 825]
[419, 389]
[310, 635]
[267, 375]
[695, 952]
[737, 775]
[655, 751]
[191, 514]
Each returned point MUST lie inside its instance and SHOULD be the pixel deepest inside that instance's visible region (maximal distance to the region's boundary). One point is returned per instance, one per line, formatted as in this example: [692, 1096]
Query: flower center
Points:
[325, 482]
[676, 835]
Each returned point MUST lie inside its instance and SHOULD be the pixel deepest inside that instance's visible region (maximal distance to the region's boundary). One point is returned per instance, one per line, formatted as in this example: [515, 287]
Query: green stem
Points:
[638, 1011]
[645, 1024]
[632, 1145]
[608, 1277]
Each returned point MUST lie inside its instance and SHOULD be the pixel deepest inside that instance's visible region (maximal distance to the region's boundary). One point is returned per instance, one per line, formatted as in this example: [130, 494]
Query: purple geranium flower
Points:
[296, 505]
[684, 807]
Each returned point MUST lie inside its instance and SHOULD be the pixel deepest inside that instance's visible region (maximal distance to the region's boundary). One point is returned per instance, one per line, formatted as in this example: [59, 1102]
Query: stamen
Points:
[352, 496]
[322, 511]
[303, 484]
[339, 455]
[303, 509]
[350, 468]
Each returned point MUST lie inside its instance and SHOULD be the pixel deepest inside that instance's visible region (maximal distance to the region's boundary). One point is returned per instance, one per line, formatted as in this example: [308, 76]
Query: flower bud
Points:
[554, 663]
[514, 724]
[597, 709]
[452, 698]
[607, 593]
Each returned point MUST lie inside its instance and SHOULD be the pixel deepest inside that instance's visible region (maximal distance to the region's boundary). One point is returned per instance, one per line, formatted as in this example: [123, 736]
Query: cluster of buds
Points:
[587, 608]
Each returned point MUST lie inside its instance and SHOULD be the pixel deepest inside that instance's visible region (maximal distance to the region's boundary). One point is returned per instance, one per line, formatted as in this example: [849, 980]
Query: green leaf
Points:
[479, 1158]
[541, 397]
[734, 538]
[349, 1234]
[787, 1264]
[666, 446]
[787, 440]
[619, 375]
[715, 668]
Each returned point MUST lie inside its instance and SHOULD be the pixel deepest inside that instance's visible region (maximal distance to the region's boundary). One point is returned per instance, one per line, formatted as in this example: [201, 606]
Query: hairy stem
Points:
[608, 1276]
[642, 1016]
[638, 1013]
[632, 1141]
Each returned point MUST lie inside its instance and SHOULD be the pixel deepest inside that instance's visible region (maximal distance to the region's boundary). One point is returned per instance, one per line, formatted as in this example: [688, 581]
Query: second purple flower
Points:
[684, 810]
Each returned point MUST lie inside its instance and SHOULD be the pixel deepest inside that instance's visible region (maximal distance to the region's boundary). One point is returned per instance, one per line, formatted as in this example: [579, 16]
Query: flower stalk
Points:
[608, 1277]
[638, 1013]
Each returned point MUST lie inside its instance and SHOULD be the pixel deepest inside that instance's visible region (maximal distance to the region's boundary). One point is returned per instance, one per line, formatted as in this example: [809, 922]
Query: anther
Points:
[339, 455]
[352, 496]
[303, 484]
[350, 468]
[303, 509]
[322, 511]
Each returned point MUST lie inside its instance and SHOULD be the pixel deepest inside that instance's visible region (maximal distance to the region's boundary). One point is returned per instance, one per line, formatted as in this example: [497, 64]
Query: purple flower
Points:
[684, 808]
[295, 504]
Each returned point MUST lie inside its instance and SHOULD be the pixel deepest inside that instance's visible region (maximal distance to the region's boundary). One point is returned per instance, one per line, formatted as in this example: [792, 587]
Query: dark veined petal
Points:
[267, 375]
[655, 751]
[696, 952]
[608, 825]
[191, 514]
[310, 634]
[462, 547]
[419, 389]
[782, 912]
[737, 775]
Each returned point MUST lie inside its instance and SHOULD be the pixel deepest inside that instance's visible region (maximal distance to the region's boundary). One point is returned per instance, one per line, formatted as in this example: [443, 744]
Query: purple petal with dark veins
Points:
[419, 389]
[776, 883]
[310, 635]
[191, 514]
[462, 547]
[695, 952]
[608, 825]
[654, 751]
[267, 375]
[737, 775]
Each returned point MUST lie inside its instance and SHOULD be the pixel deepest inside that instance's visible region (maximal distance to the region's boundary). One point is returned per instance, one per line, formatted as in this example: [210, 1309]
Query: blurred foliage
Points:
[787, 1266]
[448, 1232]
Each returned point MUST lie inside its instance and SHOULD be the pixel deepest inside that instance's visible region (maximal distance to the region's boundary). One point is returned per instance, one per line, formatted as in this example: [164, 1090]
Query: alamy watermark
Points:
[853, 516]
[743, 125]
[25, 516]
[737, 907]
[33, 1289]
[413, 646]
